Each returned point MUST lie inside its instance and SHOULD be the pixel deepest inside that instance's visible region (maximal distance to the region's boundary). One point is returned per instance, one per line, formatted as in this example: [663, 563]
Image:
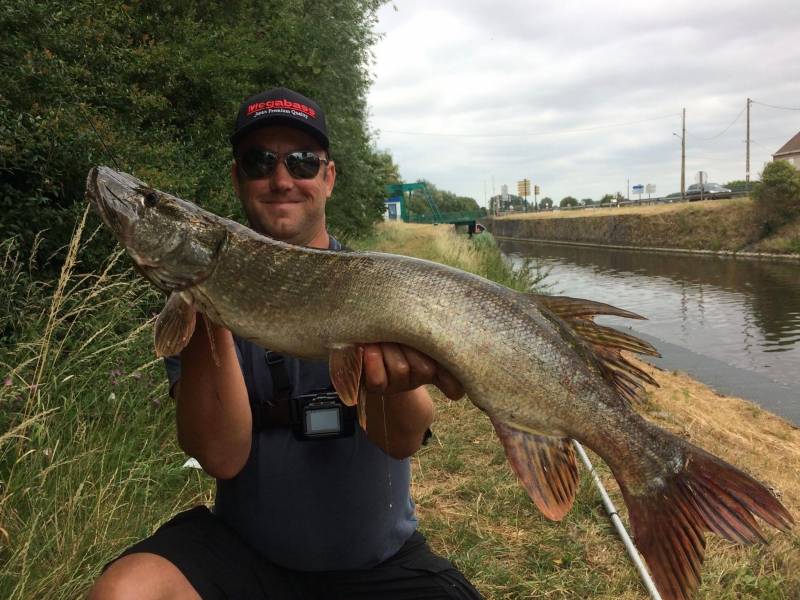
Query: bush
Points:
[153, 88]
[568, 201]
[777, 195]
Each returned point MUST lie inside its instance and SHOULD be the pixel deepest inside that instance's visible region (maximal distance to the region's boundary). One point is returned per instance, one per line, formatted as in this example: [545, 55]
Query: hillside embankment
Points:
[726, 226]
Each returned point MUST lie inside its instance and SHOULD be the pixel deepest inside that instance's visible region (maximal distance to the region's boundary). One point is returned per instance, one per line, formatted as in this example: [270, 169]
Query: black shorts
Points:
[220, 565]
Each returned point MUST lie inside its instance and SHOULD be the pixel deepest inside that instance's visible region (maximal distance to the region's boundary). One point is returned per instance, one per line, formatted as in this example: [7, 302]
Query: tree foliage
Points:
[446, 201]
[739, 185]
[777, 195]
[587, 202]
[153, 88]
[546, 203]
[606, 199]
[568, 201]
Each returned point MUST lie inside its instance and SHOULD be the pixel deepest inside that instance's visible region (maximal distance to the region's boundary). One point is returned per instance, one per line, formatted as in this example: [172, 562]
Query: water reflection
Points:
[744, 313]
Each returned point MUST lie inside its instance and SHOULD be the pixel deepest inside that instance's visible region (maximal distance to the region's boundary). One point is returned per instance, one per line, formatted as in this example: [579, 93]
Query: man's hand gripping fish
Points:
[538, 366]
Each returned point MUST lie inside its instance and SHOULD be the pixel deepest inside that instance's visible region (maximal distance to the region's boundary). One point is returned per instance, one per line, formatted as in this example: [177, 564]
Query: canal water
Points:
[732, 324]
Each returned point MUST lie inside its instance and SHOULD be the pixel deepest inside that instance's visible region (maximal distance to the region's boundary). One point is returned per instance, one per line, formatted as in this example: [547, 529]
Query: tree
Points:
[587, 202]
[606, 199]
[568, 202]
[777, 195]
[739, 185]
[153, 87]
[546, 203]
[445, 201]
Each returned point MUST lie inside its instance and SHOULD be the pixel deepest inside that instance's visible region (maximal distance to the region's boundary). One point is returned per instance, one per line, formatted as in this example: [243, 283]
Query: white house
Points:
[790, 151]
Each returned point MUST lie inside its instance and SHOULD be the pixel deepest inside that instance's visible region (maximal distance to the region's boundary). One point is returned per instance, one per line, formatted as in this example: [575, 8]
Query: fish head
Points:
[173, 243]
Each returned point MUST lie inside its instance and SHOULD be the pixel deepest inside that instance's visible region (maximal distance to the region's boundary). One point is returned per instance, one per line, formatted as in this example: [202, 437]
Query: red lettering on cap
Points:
[281, 103]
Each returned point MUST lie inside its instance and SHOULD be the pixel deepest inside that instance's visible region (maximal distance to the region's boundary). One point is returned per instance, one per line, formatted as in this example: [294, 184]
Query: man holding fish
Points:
[308, 505]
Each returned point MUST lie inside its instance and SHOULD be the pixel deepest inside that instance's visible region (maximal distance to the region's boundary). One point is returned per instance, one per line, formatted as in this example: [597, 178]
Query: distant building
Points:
[790, 151]
[394, 209]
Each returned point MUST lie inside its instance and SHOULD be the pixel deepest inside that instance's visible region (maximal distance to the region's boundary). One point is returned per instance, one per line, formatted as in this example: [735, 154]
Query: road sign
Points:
[638, 188]
[536, 190]
[651, 188]
[701, 177]
[524, 187]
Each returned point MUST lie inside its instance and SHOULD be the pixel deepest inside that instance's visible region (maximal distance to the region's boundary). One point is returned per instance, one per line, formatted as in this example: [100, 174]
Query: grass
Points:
[89, 461]
[646, 209]
[729, 225]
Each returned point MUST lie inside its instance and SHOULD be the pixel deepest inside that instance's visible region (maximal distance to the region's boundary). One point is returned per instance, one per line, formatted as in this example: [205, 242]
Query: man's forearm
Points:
[214, 419]
[397, 423]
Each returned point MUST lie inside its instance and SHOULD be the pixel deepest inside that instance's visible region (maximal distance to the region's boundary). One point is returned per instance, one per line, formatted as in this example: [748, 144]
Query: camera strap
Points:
[275, 411]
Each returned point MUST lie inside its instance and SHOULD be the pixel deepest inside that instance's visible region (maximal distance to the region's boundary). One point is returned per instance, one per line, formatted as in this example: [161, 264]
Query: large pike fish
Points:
[538, 366]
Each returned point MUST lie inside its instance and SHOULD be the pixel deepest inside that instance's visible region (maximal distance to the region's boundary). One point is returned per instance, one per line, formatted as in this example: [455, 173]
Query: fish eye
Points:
[150, 199]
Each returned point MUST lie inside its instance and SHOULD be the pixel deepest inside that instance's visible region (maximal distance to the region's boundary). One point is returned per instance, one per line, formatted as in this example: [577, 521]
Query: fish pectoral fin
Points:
[606, 343]
[346, 363]
[546, 467]
[174, 326]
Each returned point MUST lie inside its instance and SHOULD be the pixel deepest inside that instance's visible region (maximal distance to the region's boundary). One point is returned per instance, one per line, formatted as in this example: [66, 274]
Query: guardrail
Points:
[446, 217]
[642, 202]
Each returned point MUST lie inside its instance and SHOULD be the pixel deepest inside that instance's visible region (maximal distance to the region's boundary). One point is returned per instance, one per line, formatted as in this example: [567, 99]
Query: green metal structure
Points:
[436, 216]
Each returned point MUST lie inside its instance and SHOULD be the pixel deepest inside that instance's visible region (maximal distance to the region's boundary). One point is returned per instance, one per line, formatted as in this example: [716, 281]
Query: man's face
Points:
[284, 208]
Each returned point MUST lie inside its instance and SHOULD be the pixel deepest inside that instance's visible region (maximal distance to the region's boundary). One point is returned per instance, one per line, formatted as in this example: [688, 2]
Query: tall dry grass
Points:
[88, 461]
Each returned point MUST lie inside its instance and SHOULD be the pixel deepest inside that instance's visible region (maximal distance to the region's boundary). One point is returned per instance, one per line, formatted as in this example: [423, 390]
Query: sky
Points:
[582, 98]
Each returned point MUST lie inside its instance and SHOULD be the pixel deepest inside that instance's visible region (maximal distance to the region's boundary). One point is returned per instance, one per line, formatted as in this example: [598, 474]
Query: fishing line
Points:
[85, 114]
[97, 133]
[386, 441]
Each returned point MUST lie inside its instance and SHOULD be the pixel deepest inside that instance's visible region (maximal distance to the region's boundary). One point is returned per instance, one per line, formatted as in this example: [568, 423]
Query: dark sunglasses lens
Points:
[303, 165]
[257, 164]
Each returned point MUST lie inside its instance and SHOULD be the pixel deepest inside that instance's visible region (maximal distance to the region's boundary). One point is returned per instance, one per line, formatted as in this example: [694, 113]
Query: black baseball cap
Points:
[280, 106]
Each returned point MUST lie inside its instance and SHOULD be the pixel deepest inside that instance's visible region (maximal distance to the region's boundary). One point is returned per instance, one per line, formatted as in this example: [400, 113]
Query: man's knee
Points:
[142, 576]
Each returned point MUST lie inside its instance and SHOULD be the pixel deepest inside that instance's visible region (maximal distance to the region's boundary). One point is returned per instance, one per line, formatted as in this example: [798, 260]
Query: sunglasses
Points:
[257, 163]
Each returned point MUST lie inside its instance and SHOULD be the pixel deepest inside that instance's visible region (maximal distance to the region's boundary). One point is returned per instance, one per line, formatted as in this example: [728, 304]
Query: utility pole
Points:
[683, 156]
[747, 164]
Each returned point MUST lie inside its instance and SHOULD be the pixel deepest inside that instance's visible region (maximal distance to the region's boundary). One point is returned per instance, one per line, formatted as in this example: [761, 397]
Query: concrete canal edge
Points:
[616, 233]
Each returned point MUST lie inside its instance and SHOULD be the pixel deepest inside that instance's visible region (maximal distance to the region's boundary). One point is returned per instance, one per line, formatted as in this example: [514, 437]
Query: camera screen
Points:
[324, 420]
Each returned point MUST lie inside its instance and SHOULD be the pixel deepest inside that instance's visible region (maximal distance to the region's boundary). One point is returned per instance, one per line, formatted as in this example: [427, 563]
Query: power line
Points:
[713, 137]
[532, 133]
[773, 106]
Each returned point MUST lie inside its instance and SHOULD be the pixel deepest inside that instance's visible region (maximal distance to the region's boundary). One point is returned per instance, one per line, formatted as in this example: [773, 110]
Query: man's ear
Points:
[330, 177]
[235, 178]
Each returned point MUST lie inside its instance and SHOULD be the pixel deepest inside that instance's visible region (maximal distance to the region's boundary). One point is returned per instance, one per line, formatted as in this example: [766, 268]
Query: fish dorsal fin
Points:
[545, 466]
[606, 343]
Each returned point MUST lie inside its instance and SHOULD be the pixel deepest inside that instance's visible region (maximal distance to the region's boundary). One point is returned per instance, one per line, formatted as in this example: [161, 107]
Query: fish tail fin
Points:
[708, 494]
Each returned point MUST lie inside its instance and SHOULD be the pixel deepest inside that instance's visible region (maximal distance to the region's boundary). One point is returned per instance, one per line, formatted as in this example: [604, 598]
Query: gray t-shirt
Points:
[317, 505]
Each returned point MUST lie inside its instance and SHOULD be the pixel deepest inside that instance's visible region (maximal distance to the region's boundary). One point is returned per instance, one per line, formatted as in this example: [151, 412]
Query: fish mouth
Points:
[114, 197]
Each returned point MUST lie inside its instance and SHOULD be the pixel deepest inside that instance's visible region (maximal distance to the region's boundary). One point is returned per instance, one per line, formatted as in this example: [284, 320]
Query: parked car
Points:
[710, 191]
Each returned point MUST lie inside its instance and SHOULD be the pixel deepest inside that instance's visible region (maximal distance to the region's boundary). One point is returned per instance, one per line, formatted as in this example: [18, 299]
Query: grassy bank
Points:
[89, 462]
[716, 225]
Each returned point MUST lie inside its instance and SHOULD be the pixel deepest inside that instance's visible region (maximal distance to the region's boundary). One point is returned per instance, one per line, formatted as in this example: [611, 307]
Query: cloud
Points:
[581, 97]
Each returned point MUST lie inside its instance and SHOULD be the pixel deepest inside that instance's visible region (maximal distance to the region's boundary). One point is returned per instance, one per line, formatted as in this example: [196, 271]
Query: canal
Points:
[732, 324]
